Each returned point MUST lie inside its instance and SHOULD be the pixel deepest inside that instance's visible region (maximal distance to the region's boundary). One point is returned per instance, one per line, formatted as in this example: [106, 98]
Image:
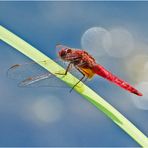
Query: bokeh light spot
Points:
[93, 40]
[44, 110]
[137, 67]
[120, 43]
[141, 102]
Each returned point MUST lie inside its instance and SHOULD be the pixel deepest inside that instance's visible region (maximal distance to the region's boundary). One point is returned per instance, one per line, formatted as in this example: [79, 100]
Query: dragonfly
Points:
[81, 61]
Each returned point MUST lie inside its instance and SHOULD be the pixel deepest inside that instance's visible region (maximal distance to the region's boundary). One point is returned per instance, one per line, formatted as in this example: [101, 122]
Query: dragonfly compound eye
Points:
[69, 50]
[62, 53]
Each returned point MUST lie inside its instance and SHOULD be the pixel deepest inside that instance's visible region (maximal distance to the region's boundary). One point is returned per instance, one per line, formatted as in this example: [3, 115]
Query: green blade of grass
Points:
[86, 92]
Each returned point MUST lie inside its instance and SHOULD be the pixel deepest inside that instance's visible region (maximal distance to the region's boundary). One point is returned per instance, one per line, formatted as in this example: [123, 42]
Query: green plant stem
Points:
[85, 91]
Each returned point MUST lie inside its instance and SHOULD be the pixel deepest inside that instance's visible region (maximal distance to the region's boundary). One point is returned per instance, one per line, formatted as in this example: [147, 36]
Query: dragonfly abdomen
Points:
[126, 86]
[101, 71]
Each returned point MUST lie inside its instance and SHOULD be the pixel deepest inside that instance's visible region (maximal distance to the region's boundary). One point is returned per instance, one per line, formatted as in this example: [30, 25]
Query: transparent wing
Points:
[33, 75]
[32, 80]
[43, 80]
[21, 71]
[60, 46]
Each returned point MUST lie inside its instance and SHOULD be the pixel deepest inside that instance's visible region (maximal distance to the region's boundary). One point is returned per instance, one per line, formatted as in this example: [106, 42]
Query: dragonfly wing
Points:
[22, 71]
[60, 47]
[43, 80]
[30, 69]
[32, 80]
[33, 75]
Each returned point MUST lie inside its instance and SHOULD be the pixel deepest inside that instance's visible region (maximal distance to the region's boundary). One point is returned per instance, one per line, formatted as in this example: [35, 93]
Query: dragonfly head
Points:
[64, 53]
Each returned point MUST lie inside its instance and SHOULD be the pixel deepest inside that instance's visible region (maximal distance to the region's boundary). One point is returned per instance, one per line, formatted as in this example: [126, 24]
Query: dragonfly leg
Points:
[77, 83]
[85, 79]
[67, 69]
[79, 80]
[69, 66]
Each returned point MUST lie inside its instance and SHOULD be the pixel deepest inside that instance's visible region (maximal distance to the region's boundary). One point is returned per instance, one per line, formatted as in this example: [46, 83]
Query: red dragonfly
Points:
[87, 65]
[81, 61]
